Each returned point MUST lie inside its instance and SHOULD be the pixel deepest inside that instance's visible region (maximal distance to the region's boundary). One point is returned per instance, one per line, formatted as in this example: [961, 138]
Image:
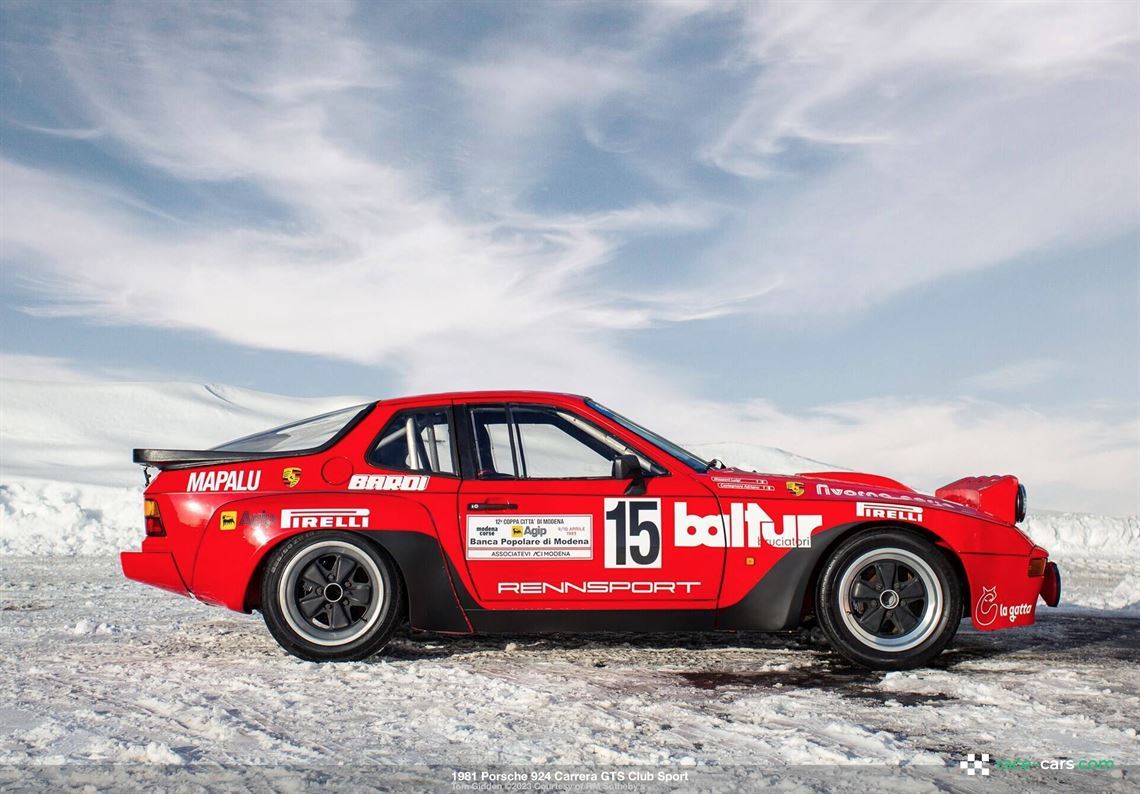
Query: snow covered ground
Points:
[107, 682]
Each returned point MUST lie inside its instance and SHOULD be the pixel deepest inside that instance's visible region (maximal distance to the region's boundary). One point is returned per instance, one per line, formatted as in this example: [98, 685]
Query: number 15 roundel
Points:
[633, 533]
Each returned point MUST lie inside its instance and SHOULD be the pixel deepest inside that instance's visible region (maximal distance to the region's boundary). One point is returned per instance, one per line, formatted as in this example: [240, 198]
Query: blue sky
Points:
[895, 237]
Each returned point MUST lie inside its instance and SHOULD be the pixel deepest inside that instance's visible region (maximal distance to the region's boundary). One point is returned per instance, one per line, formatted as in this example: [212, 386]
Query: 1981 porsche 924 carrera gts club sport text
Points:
[533, 512]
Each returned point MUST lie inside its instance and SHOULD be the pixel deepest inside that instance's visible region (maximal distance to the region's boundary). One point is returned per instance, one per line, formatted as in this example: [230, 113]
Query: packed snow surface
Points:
[101, 671]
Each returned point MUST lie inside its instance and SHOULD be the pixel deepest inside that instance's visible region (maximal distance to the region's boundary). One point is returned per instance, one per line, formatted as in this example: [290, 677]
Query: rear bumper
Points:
[155, 568]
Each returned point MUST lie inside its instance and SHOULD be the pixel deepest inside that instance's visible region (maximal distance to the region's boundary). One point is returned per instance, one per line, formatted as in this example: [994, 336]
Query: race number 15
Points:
[633, 533]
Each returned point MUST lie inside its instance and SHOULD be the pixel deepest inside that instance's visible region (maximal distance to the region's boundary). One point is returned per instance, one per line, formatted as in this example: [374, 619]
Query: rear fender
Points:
[229, 560]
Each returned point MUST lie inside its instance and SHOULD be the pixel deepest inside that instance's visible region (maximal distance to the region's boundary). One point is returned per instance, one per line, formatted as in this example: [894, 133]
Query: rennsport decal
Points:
[598, 588]
[988, 609]
[530, 537]
[633, 533]
[325, 518]
[223, 480]
[742, 484]
[746, 526]
[388, 482]
[888, 511]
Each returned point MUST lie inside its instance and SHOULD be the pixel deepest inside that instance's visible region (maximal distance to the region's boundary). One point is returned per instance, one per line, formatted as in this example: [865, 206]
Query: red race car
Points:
[534, 512]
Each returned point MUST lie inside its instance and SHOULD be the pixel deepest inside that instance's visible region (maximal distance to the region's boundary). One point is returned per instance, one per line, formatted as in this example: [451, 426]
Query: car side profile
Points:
[526, 512]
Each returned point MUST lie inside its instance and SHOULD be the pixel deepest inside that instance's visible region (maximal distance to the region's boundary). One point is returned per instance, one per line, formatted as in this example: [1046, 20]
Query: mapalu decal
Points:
[223, 480]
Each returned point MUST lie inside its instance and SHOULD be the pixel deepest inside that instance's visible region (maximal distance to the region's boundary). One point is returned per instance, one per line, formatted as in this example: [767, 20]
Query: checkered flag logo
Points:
[973, 764]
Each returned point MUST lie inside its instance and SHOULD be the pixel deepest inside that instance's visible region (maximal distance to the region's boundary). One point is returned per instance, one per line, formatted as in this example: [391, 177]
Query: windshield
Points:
[297, 436]
[680, 453]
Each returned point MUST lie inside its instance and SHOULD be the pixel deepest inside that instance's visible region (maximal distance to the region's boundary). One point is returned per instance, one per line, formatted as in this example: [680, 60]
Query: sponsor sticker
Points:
[744, 526]
[291, 476]
[598, 588]
[888, 511]
[742, 484]
[827, 490]
[223, 480]
[388, 482]
[550, 537]
[795, 488]
[325, 518]
[258, 520]
[228, 520]
[987, 610]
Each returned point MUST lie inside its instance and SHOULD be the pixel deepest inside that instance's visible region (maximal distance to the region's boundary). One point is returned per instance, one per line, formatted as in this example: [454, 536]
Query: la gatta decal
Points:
[986, 610]
[989, 609]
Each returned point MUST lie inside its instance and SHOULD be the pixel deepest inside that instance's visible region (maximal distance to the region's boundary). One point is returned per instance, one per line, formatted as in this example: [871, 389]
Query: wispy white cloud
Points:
[1016, 376]
[54, 369]
[872, 149]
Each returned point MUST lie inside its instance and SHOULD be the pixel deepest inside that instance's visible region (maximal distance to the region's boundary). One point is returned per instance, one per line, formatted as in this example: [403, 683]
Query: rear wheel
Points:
[889, 600]
[331, 596]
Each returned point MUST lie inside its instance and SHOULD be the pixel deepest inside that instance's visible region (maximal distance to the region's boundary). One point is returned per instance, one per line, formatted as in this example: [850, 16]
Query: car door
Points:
[546, 525]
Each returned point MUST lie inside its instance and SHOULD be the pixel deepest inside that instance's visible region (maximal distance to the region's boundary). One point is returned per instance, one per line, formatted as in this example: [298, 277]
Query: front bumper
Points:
[155, 568]
[1004, 590]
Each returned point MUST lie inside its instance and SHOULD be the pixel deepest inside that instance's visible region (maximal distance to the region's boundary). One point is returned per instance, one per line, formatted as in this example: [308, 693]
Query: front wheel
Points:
[331, 596]
[889, 600]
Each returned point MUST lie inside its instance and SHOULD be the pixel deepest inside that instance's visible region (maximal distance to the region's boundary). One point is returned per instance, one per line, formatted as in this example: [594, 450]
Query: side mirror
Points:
[628, 467]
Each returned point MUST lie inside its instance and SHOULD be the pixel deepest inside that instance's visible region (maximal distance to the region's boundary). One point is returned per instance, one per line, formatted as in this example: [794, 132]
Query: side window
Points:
[495, 454]
[552, 446]
[416, 441]
[543, 443]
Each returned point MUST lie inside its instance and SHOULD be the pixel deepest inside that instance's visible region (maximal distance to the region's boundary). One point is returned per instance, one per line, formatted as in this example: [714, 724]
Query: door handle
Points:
[485, 506]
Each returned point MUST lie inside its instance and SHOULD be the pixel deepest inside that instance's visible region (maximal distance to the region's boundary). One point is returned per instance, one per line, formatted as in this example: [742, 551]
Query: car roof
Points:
[505, 395]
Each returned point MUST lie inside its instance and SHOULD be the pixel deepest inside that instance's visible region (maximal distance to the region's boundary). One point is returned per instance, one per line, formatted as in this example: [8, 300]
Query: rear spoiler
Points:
[189, 458]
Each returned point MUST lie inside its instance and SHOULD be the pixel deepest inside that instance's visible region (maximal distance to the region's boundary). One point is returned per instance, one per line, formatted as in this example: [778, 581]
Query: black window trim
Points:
[420, 409]
[468, 451]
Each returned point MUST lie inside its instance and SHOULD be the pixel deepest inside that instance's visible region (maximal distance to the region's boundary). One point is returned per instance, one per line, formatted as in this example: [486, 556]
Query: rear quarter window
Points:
[300, 436]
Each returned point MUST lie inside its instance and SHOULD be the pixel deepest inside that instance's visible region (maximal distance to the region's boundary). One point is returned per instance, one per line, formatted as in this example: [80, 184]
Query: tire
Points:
[889, 600]
[331, 597]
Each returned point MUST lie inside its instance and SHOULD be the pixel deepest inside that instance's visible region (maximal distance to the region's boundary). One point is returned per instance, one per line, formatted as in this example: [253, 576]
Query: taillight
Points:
[154, 527]
[1037, 566]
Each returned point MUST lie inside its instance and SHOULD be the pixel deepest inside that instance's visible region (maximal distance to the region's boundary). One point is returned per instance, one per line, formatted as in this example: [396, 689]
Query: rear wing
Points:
[189, 458]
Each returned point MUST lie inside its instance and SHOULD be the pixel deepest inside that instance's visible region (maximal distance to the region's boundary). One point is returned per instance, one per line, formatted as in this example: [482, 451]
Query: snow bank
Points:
[46, 518]
[1084, 534]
